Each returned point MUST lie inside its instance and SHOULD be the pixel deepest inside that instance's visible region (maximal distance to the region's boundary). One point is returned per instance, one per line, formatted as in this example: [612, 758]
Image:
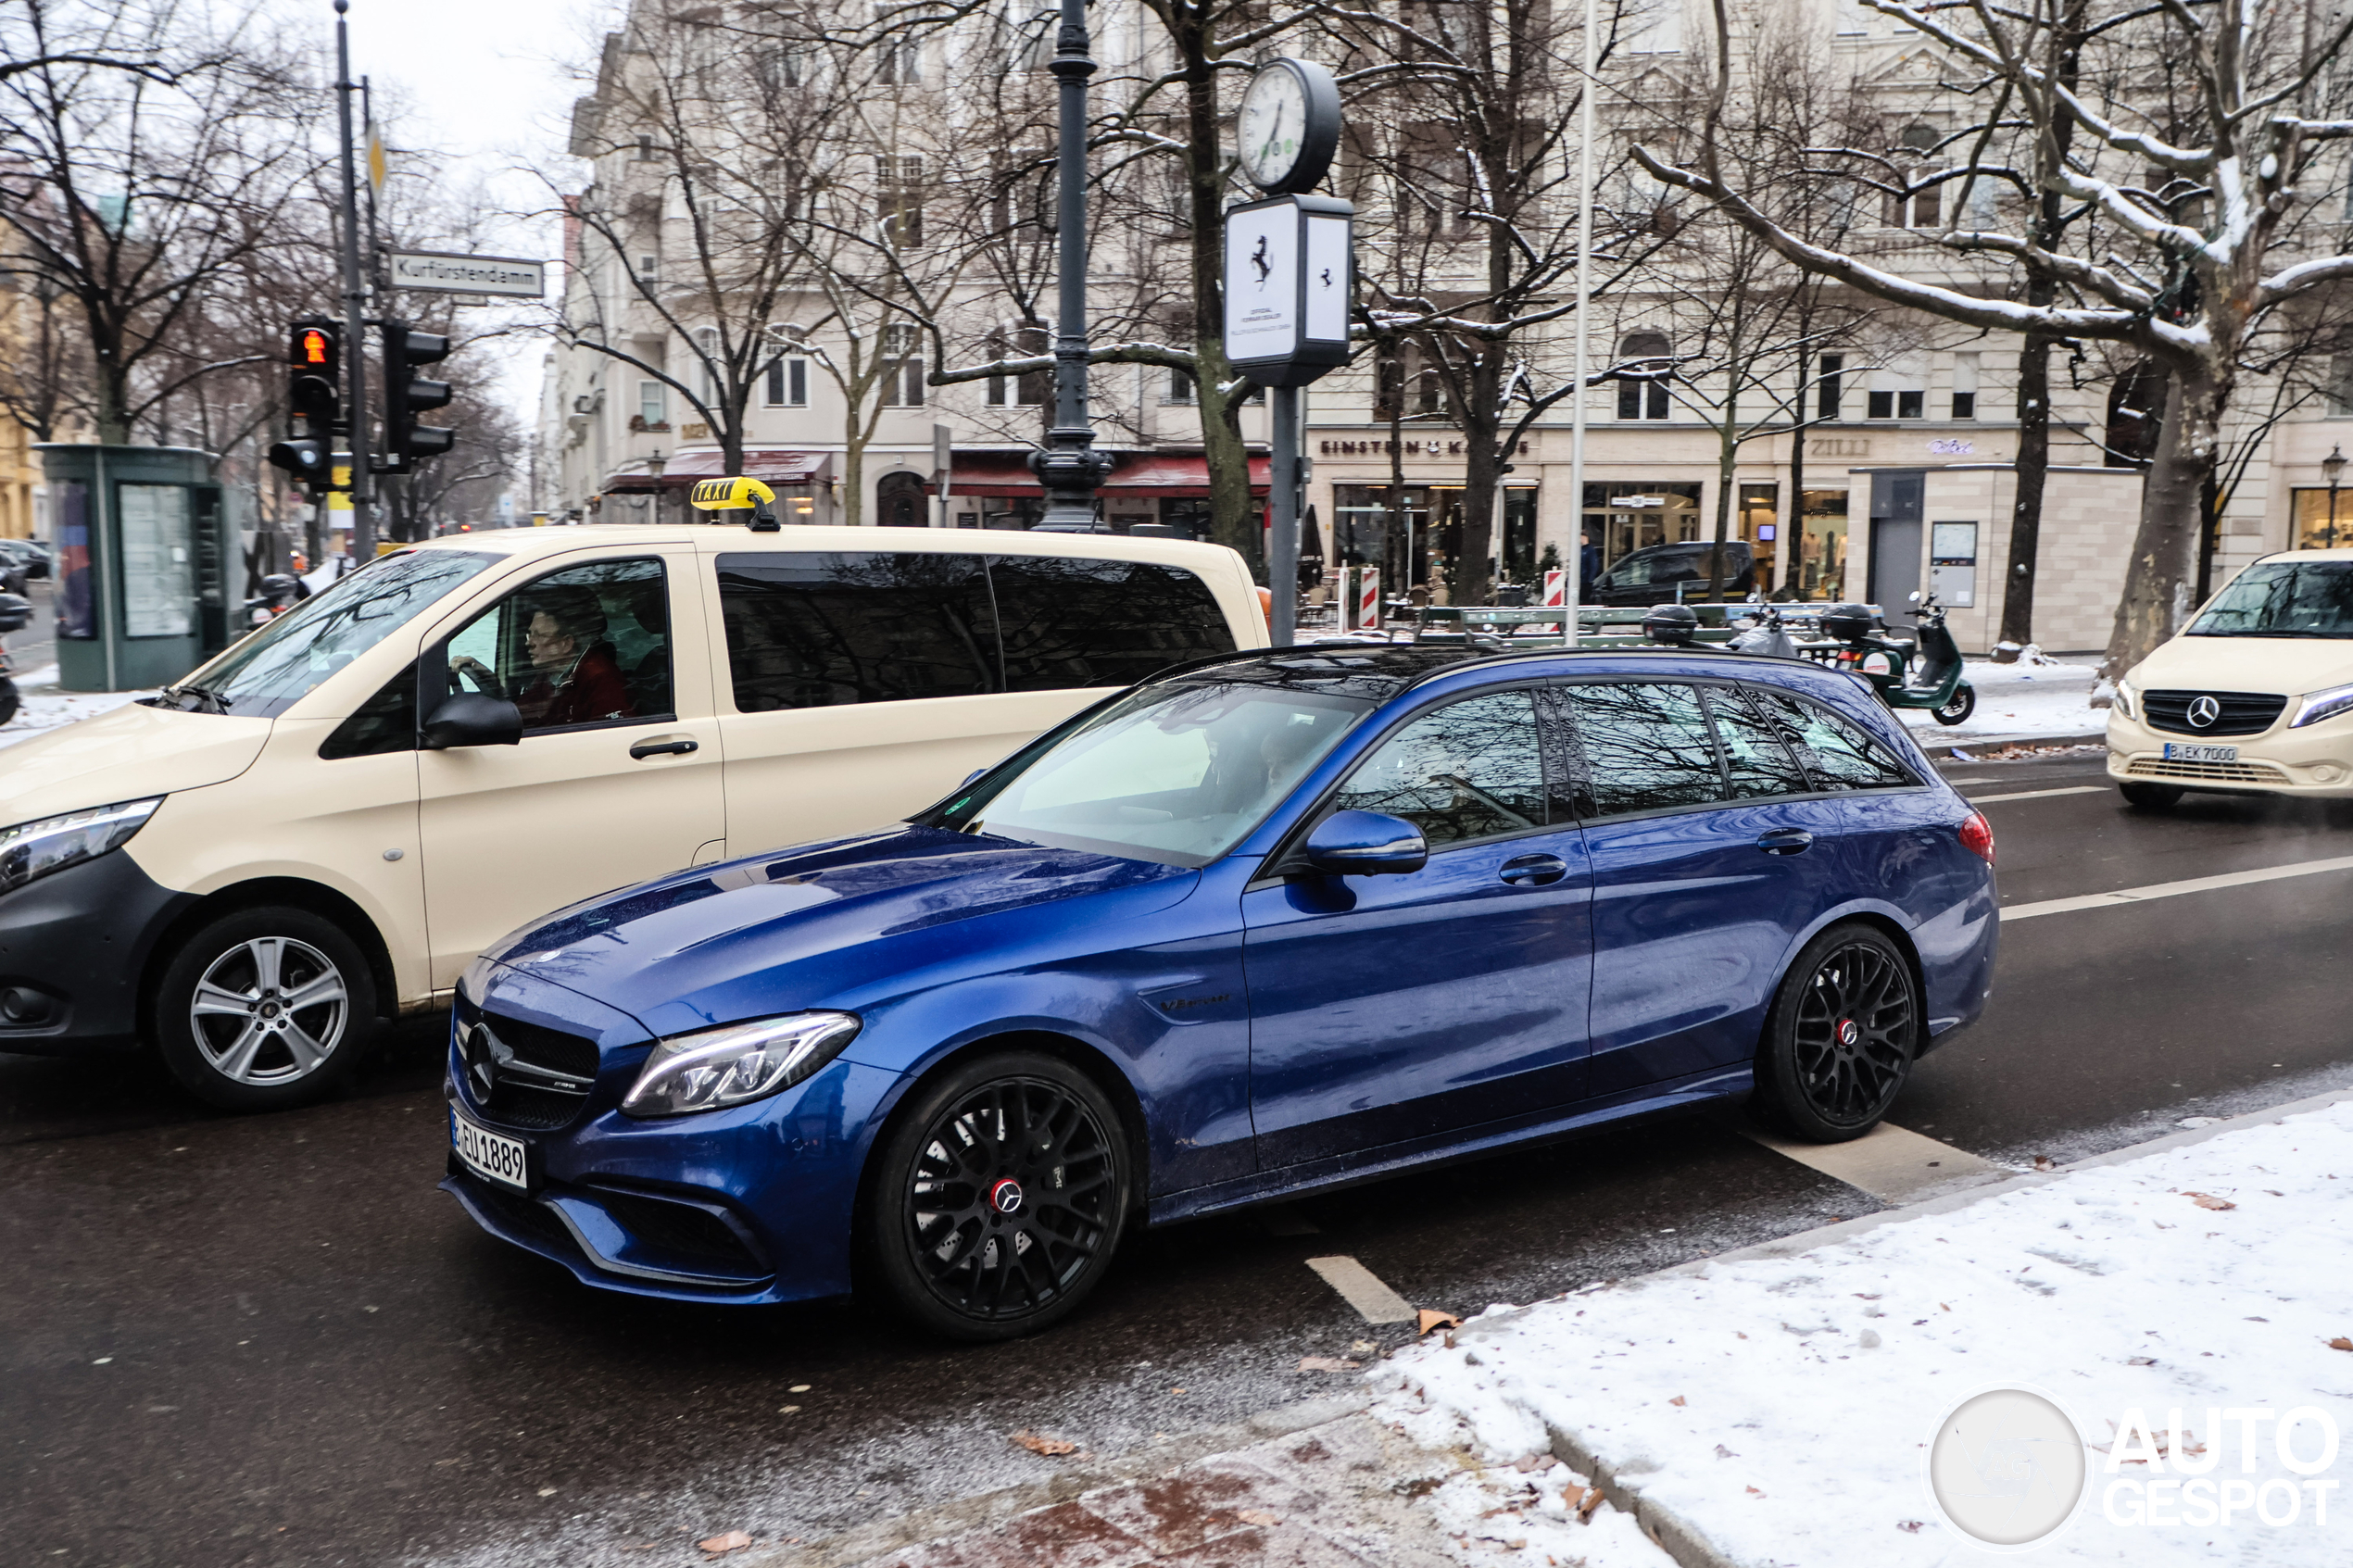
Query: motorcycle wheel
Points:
[1957, 710]
[9, 701]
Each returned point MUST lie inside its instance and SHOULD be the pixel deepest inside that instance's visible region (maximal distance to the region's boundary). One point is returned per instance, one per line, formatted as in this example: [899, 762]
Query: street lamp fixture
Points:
[1068, 468]
[655, 463]
[2334, 467]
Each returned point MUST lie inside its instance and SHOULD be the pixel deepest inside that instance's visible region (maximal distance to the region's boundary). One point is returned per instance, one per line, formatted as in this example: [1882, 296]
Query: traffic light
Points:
[407, 395]
[315, 395]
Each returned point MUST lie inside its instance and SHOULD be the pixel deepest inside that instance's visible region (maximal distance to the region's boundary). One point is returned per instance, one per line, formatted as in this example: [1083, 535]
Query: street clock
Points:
[1289, 127]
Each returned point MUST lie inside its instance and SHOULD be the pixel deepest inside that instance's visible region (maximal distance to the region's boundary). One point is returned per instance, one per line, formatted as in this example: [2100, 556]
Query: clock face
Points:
[1271, 126]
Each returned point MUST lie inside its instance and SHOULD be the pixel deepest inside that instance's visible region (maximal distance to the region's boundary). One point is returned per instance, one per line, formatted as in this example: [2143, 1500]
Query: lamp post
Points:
[1069, 466]
[655, 464]
[2334, 467]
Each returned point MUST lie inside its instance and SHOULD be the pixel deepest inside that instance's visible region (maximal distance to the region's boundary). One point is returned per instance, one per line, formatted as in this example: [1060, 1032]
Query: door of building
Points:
[1895, 536]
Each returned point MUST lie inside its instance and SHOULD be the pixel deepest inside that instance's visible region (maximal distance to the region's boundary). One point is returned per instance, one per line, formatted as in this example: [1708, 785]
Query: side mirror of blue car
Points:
[1367, 844]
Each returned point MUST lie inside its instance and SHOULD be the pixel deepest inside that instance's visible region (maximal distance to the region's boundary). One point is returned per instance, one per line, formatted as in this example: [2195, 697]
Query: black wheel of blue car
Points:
[1001, 1196]
[1841, 1038]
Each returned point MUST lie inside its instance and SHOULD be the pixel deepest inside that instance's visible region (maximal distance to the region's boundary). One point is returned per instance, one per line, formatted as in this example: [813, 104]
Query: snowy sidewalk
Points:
[2017, 700]
[1776, 1408]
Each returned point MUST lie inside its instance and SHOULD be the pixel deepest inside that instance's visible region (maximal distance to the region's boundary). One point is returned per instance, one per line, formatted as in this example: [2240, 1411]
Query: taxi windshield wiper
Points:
[204, 696]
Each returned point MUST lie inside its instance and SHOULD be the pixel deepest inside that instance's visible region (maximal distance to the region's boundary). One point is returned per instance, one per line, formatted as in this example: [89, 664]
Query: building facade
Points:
[1890, 468]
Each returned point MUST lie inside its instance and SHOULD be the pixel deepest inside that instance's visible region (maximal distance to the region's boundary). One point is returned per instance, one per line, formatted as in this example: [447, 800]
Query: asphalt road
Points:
[272, 1341]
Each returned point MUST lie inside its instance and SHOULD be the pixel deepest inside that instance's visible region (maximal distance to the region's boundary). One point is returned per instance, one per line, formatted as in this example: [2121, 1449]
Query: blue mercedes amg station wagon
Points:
[1262, 925]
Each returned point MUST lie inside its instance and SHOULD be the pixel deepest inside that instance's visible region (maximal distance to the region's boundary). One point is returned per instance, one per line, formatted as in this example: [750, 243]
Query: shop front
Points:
[1164, 489]
[802, 481]
[1414, 535]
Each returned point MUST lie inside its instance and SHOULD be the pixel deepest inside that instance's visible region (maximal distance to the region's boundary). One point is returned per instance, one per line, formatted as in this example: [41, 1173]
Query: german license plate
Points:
[492, 1156]
[2177, 752]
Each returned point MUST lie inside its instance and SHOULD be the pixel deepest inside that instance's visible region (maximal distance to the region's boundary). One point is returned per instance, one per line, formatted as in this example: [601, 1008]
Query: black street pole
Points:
[355, 305]
[1069, 466]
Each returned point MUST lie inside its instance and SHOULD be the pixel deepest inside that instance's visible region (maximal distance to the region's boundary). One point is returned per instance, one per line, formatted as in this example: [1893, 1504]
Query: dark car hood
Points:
[712, 945]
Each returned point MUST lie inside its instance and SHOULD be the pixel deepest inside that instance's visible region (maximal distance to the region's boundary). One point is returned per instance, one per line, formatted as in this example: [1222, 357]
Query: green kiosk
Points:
[147, 563]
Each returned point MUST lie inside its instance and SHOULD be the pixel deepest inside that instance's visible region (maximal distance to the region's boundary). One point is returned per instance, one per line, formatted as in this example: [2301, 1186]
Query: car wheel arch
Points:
[1886, 925]
[1086, 1058]
[262, 892]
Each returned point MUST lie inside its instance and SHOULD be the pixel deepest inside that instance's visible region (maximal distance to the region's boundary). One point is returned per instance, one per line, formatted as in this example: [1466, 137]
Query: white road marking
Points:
[1892, 1163]
[2174, 890]
[2038, 794]
[1362, 1289]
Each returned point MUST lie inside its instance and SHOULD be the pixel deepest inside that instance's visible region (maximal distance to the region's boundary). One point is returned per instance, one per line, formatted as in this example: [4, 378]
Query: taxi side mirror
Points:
[473, 719]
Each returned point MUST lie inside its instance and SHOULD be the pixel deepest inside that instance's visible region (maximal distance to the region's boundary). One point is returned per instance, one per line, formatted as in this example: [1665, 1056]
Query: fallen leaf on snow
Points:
[1755, 1492]
[1326, 1363]
[720, 1546]
[2042, 1162]
[1910, 1526]
[1038, 1442]
[1430, 1318]
[1723, 1452]
[2205, 1200]
[1676, 1401]
[2341, 1343]
[1257, 1516]
[1539, 1460]
[2141, 1361]
[1586, 1504]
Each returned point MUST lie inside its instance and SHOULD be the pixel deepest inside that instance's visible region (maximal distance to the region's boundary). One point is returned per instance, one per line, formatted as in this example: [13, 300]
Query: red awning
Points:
[1136, 473]
[685, 470]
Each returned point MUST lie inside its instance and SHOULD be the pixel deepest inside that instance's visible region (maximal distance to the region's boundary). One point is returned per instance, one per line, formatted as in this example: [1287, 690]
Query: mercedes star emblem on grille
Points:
[2203, 711]
[484, 1054]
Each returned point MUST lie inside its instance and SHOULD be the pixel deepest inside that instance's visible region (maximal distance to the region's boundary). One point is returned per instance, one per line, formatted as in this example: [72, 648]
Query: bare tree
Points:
[2193, 158]
[151, 161]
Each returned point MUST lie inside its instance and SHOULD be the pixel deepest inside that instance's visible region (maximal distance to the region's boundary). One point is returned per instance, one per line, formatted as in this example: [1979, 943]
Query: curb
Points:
[1971, 748]
[1685, 1541]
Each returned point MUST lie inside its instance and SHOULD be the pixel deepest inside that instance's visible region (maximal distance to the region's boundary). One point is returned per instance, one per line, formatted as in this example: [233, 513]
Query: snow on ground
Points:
[45, 708]
[1523, 1509]
[2050, 698]
[1782, 1406]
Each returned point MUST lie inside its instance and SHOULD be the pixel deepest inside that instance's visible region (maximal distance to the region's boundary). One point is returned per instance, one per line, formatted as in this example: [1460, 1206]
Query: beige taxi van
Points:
[2254, 696]
[321, 826]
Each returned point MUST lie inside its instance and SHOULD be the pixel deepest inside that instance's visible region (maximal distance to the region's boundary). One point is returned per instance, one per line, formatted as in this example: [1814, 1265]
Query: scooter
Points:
[1933, 681]
[1766, 634]
[280, 591]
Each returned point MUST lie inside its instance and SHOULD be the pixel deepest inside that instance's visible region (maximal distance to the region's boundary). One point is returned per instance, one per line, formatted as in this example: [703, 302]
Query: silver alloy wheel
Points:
[268, 1010]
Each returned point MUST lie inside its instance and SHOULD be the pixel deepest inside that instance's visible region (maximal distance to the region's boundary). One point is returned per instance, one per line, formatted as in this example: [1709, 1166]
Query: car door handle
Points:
[1534, 870]
[1785, 841]
[677, 746]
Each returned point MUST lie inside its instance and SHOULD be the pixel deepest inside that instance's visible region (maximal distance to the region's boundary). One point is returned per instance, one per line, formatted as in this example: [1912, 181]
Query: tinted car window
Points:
[818, 630]
[589, 645]
[1471, 770]
[1757, 763]
[1073, 622]
[1837, 753]
[1645, 745]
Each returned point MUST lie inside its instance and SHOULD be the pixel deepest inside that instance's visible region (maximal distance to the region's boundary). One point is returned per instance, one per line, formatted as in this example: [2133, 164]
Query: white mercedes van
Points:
[2256, 695]
[321, 827]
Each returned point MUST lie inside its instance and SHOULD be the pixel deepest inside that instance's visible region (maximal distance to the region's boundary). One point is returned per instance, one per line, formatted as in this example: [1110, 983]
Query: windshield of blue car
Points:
[2283, 598]
[277, 665]
[1176, 774]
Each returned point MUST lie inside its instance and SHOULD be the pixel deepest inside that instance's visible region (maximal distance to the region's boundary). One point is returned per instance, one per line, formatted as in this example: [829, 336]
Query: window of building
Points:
[2339, 390]
[900, 502]
[1626, 515]
[653, 405]
[645, 147]
[715, 384]
[1826, 387]
[787, 381]
[1178, 389]
[2323, 518]
[1896, 403]
[1031, 389]
[898, 198]
[1433, 189]
[649, 269]
[1915, 209]
[1644, 368]
[1821, 567]
[901, 62]
[1405, 384]
[902, 374]
[2136, 415]
[1965, 386]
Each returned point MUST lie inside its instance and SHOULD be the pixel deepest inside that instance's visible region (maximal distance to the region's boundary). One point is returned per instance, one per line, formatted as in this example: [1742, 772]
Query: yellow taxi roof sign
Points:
[730, 495]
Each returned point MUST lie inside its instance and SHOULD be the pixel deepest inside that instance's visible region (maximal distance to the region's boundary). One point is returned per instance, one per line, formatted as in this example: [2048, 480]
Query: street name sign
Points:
[447, 272]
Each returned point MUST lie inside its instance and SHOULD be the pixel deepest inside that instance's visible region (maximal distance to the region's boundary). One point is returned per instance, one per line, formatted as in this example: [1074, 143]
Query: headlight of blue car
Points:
[31, 850]
[712, 1068]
